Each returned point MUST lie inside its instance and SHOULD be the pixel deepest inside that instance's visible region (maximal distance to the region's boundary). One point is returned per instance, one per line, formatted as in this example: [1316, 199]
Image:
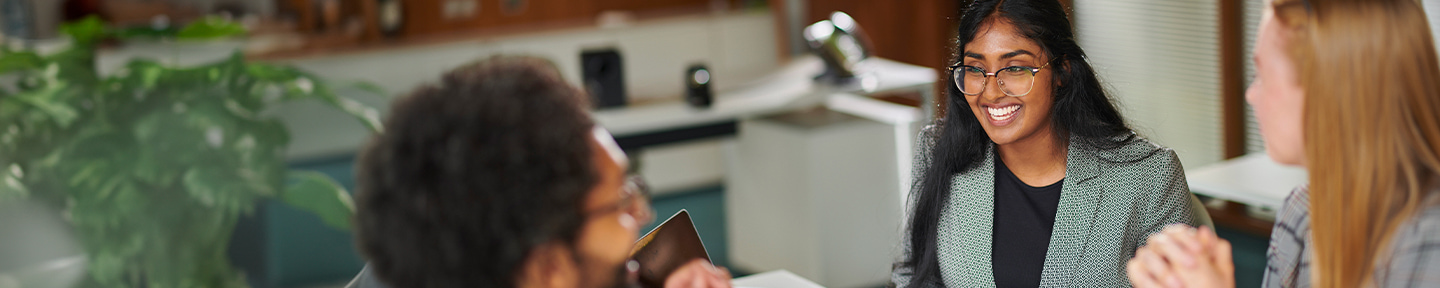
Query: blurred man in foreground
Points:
[497, 177]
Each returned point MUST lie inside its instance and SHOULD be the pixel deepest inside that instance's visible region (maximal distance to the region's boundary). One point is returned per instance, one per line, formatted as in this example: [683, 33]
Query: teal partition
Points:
[280, 246]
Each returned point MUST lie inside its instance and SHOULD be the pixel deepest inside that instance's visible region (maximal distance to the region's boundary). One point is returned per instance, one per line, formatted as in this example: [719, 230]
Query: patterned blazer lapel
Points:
[1074, 218]
[965, 228]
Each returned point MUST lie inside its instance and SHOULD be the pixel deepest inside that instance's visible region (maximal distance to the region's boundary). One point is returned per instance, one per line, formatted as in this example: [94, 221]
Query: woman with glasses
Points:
[1348, 90]
[1033, 179]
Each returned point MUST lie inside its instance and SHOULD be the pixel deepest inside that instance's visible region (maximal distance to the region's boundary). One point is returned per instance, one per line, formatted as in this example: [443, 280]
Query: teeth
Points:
[1003, 113]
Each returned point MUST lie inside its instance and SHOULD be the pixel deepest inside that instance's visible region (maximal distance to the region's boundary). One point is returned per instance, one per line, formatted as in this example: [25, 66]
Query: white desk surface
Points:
[1253, 180]
[774, 279]
[790, 87]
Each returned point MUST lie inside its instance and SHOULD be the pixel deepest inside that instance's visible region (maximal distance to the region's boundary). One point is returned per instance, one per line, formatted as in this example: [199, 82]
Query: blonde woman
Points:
[1350, 90]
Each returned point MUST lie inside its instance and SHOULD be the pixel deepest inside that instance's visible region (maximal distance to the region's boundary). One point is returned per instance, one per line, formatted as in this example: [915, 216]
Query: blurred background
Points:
[791, 152]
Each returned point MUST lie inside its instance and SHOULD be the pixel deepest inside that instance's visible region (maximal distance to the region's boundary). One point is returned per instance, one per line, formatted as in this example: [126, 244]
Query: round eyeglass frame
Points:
[634, 201]
[957, 77]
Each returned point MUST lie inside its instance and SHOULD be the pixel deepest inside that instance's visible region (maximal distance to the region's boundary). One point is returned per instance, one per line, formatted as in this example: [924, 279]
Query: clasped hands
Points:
[1183, 256]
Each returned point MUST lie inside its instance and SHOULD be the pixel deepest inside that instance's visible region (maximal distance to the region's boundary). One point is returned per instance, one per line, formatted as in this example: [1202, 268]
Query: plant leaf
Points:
[366, 114]
[44, 100]
[369, 87]
[10, 185]
[11, 61]
[271, 73]
[85, 31]
[210, 27]
[144, 32]
[316, 193]
[300, 85]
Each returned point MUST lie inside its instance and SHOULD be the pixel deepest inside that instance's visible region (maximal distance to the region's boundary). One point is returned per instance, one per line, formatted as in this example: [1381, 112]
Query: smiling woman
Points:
[1033, 178]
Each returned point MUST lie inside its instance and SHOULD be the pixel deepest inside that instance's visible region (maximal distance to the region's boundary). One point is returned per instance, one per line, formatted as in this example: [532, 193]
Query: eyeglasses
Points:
[634, 201]
[1015, 81]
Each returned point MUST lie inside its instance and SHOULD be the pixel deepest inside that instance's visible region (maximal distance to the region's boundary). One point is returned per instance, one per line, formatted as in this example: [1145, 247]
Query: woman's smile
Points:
[1002, 114]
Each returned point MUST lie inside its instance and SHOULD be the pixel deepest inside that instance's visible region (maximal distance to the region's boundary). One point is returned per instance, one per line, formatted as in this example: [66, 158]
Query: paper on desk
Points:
[774, 279]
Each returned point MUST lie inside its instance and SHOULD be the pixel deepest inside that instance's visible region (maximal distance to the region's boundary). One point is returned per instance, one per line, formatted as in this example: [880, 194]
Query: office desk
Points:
[792, 87]
[1253, 180]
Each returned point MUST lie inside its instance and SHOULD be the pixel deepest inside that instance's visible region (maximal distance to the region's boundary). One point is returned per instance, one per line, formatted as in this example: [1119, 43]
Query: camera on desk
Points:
[697, 87]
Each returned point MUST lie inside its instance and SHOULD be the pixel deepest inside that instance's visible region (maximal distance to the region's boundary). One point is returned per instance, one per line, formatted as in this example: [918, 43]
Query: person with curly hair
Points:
[497, 177]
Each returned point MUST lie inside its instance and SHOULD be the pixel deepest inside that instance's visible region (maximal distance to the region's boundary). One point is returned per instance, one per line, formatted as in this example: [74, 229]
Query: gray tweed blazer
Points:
[1413, 259]
[1110, 202]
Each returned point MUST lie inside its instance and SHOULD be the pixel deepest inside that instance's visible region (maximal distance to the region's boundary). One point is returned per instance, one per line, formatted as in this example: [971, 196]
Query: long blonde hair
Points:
[1371, 126]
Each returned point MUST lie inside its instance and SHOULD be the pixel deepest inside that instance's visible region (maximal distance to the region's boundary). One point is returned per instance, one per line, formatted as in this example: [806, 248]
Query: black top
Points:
[1024, 217]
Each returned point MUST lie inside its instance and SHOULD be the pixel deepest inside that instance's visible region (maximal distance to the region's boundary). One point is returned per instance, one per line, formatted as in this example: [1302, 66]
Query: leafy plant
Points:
[153, 165]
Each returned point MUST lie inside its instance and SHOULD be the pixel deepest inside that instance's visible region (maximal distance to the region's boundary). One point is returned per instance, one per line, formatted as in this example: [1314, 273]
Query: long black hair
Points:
[1081, 109]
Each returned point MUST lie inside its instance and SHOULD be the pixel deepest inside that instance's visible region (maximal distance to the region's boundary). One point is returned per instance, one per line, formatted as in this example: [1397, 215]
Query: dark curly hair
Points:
[472, 174]
[1081, 109]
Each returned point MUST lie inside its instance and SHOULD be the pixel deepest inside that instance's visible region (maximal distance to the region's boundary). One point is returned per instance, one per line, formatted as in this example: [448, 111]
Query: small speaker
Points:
[697, 86]
[604, 76]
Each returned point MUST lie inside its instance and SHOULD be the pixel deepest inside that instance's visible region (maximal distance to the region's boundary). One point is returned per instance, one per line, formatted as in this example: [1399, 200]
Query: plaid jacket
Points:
[1414, 260]
[1110, 202]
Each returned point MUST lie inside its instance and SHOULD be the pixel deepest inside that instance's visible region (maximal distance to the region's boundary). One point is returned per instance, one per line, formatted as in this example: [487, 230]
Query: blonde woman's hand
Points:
[1182, 256]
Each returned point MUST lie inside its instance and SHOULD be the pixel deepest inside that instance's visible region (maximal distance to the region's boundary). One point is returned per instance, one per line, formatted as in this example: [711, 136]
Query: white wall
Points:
[738, 47]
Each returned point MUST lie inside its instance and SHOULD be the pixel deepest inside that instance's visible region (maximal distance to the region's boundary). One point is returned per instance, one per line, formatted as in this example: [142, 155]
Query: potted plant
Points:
[153, 165]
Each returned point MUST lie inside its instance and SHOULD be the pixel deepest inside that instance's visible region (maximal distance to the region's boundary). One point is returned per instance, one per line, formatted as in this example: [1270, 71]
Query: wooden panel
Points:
[636, 5]
[782, 33]
[1232, 77]
[426, 17]
[535, 11]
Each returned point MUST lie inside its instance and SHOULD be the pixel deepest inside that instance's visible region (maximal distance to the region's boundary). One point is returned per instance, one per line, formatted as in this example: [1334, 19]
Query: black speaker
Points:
[697, 86]
[604, 76]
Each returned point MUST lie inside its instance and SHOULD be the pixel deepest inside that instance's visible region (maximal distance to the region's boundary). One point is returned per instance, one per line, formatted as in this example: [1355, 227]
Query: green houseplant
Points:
[153, 165]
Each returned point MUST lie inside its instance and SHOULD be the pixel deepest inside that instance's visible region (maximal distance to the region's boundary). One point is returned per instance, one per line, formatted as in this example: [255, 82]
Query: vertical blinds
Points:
[1253, 9]
[1161, 61]
[1432, 8]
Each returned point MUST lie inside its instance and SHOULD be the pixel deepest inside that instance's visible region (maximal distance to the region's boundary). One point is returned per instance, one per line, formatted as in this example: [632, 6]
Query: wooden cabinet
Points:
[424, 17]
[641, 5]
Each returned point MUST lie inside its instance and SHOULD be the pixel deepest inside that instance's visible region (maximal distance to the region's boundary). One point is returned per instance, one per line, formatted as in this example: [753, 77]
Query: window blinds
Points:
[1253, 9]
[1161, 61]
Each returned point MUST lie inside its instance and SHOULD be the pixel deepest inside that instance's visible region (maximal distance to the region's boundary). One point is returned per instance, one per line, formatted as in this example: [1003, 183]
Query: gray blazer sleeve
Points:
[1174, 203]
[1415, 253]
[901, 274]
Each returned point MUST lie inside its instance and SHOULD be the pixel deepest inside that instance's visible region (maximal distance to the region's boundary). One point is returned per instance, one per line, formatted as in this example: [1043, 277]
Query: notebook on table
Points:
[662, 251]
